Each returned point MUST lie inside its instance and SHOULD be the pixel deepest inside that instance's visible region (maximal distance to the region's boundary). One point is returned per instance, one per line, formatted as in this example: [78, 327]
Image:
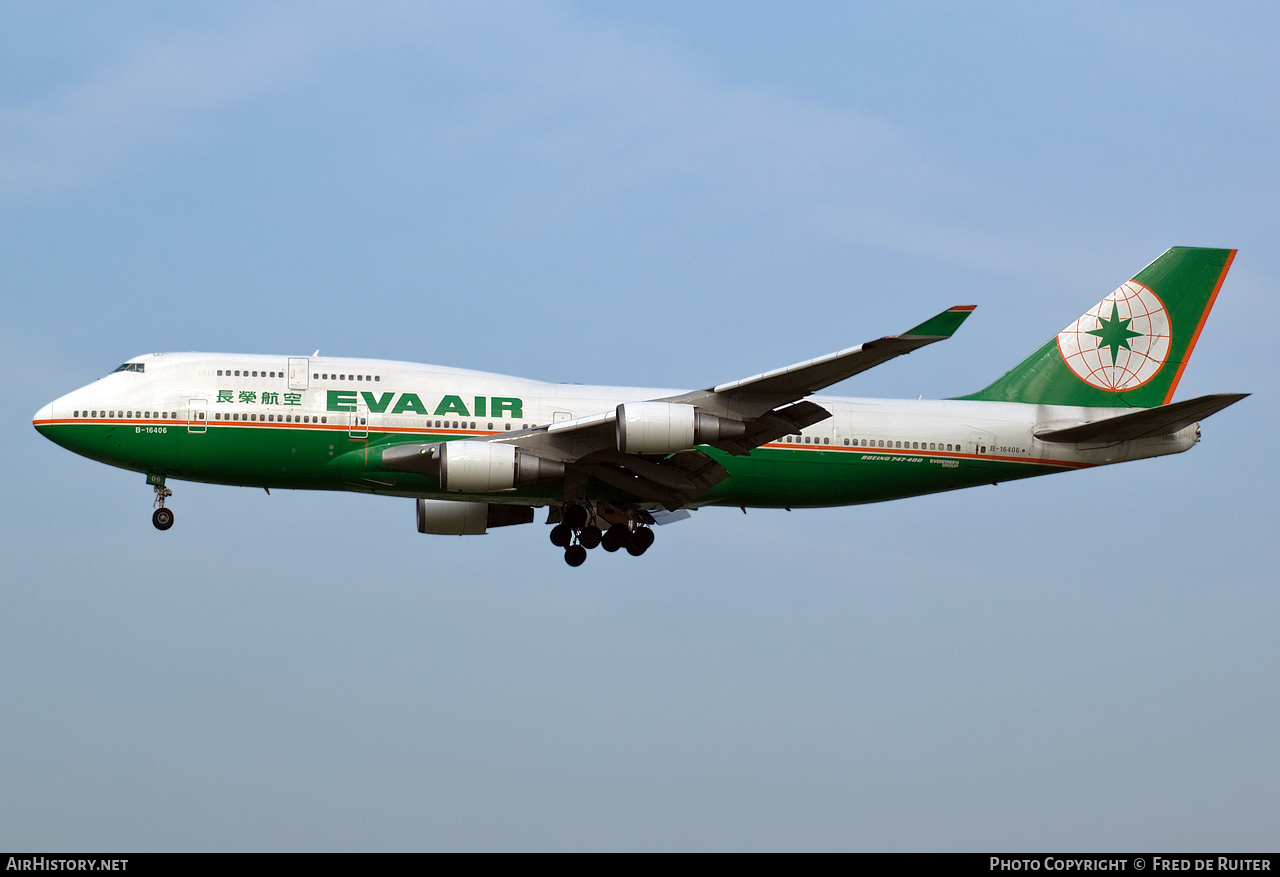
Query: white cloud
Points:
[601, 113]
[158, 88]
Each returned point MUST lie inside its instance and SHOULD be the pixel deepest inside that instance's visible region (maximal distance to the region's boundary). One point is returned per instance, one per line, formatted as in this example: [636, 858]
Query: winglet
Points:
[944, 325]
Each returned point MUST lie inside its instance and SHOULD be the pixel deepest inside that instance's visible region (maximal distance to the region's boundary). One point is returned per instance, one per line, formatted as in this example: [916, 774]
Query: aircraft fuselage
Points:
[322, 423]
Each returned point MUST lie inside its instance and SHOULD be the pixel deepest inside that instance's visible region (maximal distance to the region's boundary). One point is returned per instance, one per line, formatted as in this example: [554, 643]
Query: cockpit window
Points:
[132, 367]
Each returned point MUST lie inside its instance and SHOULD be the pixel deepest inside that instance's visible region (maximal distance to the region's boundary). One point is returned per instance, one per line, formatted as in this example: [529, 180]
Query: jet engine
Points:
[445, 517]
[667, 427]
[482, 467]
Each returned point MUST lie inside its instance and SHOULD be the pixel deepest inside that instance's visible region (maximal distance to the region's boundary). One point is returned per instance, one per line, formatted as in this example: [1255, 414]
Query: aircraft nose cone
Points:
[43, 416]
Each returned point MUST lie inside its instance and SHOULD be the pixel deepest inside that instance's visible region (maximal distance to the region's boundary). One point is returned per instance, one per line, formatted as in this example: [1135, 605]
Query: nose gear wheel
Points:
[162, 517]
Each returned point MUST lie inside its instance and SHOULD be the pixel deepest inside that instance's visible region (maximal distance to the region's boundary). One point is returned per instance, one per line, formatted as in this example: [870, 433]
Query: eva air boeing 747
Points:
[479, 450]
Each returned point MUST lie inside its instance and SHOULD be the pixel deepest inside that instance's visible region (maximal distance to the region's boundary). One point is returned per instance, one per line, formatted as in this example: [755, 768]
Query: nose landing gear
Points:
[162, 517]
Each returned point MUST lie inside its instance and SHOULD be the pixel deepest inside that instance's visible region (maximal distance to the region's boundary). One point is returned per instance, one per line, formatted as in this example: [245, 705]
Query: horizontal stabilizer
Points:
[1164, 420]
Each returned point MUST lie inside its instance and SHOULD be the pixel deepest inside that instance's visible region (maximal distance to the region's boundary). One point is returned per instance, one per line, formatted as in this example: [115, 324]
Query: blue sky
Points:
[662, 194]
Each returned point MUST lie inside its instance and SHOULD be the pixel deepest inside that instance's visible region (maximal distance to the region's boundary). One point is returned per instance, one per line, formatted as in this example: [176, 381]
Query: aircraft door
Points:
[359, 424]
[980, 443]
[298, 367]
[197, 416]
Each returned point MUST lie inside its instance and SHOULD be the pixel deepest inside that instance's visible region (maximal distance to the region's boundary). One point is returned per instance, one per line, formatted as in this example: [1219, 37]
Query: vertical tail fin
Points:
[1129, 350]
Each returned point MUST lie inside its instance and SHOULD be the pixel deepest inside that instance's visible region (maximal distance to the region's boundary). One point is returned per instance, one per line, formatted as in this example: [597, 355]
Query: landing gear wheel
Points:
[575, 555]
[590, 536]
[615, 537]
[575, 516]
[641, 539]
[162, 518]
[561, 535]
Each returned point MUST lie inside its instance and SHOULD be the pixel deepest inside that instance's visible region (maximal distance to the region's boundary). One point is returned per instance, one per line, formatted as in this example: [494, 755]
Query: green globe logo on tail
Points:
[1121, 342]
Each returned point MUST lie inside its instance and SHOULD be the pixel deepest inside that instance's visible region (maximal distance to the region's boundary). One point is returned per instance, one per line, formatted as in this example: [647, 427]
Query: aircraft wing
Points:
[769, 403]
[764, 392]
[750, 412]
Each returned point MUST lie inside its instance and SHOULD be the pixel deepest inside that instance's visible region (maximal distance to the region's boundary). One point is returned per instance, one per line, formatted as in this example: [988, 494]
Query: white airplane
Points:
[479, 450]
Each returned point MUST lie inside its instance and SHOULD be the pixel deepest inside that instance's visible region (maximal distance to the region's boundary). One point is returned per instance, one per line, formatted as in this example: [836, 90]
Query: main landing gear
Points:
[579, 531]
[162, 517]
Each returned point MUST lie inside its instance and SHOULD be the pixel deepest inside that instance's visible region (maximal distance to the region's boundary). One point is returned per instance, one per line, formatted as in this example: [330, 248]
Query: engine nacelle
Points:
[447, 518]
[483, 467]
[444, 517]
[667, 427]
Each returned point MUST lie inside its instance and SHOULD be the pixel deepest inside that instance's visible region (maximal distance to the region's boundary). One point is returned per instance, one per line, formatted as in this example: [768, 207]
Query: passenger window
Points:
[324, 420]
[377, 377]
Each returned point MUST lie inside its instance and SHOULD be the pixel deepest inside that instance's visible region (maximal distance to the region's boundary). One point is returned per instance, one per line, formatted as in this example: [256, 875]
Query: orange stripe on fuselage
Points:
[937, 455]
